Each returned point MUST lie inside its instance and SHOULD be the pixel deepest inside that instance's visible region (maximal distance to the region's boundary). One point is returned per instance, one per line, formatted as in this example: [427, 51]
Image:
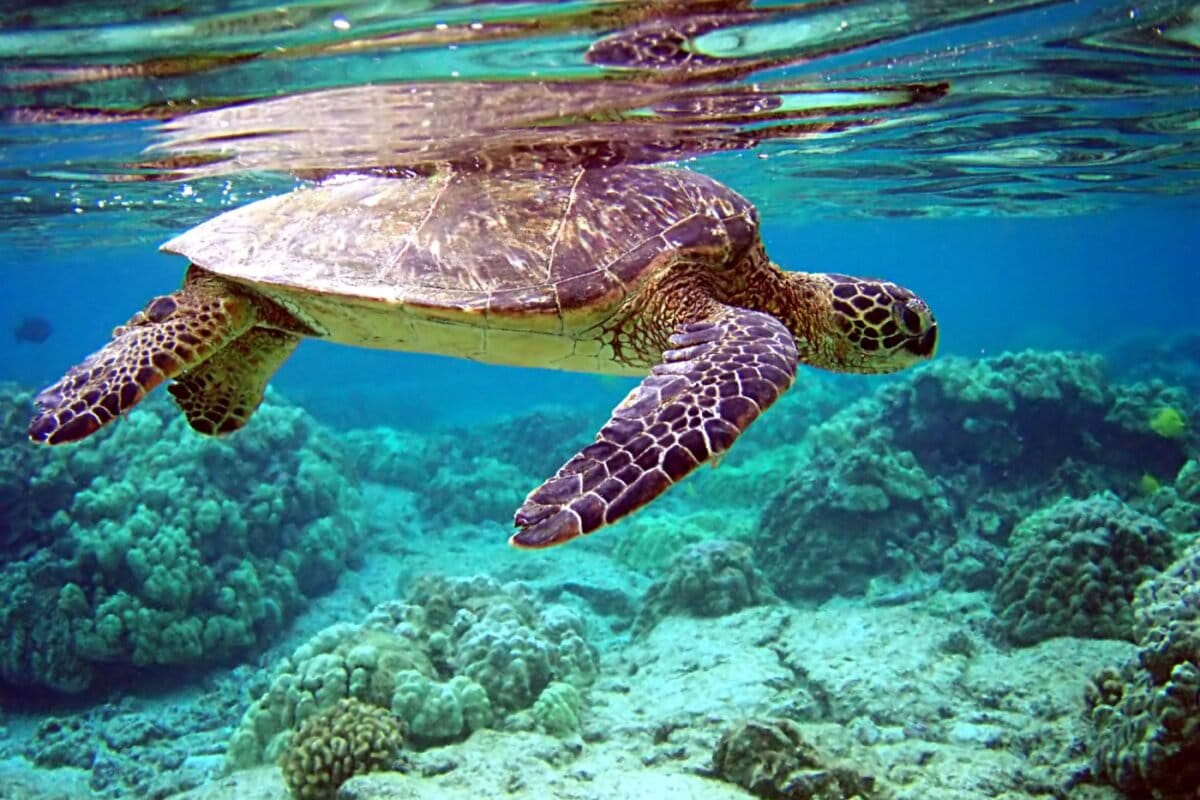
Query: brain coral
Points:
[708, 579]
[150, 545]
[954, 449]
[331, 747]
[1146, 715]
[1073, 568]
[459, 655]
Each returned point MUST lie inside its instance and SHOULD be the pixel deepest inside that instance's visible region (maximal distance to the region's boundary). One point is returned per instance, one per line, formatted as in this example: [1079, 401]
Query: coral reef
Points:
[450, 485]
[475, 475]
[653, 538]
[481, 474]
[771, 759]
[972, 563]
[1073, 568]
[854, 505]
[558, 709]
[330, 747]
[34, 483]
[459, 655]
[536, 442]
[1178, 504]
[1171, 356]
[709, 579]
[148, 545]
[396, 456]
[957, 449]
[1146, 714]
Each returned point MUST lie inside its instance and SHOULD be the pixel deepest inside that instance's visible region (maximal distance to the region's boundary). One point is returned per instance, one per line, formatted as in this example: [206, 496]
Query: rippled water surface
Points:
[144, 117]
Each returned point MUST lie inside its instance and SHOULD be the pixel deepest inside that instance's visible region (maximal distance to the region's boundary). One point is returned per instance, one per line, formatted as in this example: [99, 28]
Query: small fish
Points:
[34, 330]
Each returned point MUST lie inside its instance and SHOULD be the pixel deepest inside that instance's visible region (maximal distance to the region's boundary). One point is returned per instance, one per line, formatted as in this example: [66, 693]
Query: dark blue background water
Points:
[1083, 282]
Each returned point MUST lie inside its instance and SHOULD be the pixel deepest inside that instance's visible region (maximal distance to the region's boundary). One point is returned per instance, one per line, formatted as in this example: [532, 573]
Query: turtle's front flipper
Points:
[722, 373]
[220, 395]
[175, 332]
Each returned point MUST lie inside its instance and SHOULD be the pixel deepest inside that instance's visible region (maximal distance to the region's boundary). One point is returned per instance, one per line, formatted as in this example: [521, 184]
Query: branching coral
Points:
[347, 739]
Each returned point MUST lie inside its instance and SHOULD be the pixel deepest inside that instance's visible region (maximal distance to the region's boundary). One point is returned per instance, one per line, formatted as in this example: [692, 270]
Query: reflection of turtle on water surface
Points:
[623, 271]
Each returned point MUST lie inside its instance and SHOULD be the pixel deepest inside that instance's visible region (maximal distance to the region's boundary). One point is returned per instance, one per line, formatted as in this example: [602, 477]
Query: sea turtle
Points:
[622, 270]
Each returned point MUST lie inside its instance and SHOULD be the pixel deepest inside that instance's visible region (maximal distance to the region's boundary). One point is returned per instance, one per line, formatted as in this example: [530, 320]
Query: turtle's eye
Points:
[908, 319]
[160, 308]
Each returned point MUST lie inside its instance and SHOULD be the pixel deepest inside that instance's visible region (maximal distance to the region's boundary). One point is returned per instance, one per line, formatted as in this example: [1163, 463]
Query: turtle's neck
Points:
[800, 300]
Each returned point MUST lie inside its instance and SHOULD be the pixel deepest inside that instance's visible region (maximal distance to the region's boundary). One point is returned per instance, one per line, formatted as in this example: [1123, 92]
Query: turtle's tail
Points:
[173, 333]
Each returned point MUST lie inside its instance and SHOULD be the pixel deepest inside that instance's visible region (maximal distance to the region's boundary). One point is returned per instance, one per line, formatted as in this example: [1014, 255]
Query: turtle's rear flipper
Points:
[220, 395]
[722, 373]
[174, 333]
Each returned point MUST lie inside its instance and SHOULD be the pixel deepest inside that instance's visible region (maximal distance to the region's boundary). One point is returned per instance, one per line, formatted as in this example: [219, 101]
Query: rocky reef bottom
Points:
[841, 700]
[913, 704]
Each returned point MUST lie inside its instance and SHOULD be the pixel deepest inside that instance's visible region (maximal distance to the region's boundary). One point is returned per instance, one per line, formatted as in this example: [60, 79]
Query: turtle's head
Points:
[870, 326]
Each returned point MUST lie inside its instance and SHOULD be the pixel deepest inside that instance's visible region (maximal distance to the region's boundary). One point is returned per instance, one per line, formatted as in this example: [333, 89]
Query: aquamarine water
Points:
[1030, 168]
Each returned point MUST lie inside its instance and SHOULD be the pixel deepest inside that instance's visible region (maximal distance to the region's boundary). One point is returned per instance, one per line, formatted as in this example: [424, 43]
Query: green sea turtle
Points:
[623, 270]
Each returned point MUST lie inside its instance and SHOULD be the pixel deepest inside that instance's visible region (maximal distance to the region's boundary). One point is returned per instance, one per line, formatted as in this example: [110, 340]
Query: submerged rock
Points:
[709, 579]
[135, 748]
[771, 759]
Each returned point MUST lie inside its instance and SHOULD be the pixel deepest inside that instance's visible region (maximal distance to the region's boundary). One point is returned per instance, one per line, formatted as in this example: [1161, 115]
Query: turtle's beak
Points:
[924, 345]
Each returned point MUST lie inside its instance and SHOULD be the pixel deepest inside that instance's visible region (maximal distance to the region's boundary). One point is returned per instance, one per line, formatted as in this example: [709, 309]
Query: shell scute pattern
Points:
[498, 243]
[698, 232]
[620, 227]
[590, 287]
[491, 235]
[524, 300]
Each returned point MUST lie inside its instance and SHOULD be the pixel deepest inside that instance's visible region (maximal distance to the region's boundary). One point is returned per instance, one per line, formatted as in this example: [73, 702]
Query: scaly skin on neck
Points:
[801, 300]
[840, 323]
